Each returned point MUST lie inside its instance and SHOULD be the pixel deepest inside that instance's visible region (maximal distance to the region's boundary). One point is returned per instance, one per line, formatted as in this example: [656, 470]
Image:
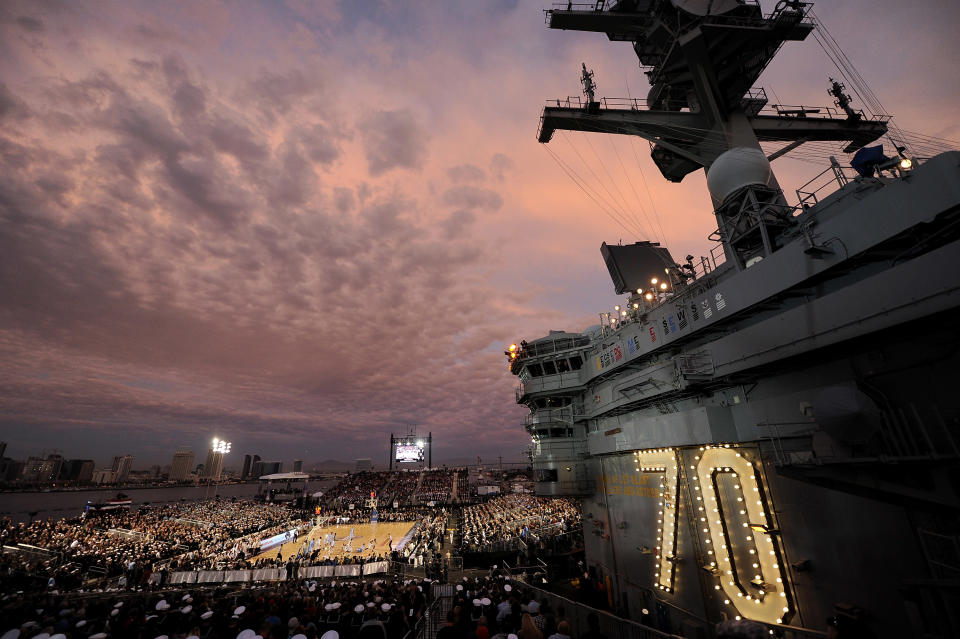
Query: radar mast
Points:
[701, 59]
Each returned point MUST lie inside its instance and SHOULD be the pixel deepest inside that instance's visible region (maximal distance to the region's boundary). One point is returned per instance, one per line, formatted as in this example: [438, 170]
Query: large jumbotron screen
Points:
[409, 453]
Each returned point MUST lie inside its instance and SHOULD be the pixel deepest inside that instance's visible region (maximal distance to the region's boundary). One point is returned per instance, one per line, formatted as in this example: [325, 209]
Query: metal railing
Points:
[404, 569]
[833, 177]
[802, 111]
[618, 628]
[753, 97]
[510, 544]
[453, 564]
[597, 5]
[548, 383]
[548, 346]
[547, 416]
[610, 626]
[619, 104]
[435, 615]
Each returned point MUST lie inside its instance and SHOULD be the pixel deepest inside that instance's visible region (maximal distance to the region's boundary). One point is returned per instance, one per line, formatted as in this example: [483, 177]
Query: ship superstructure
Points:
[770, 432]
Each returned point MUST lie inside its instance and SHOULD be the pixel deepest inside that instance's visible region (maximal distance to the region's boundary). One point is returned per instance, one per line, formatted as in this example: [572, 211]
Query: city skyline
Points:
[233, 463]
[303, 227]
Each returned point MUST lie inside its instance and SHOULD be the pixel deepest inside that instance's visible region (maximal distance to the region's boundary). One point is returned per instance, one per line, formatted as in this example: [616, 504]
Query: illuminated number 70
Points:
[756, 586]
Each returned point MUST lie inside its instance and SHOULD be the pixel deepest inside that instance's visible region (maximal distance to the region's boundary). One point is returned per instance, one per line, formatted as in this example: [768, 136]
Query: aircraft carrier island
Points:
[768, 432]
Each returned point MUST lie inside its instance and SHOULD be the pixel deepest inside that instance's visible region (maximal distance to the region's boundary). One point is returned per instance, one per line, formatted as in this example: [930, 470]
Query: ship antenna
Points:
[586, 79]
[843, 100]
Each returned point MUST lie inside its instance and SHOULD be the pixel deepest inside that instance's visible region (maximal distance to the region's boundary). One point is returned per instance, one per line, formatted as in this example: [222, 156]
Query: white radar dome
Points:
[735, 169]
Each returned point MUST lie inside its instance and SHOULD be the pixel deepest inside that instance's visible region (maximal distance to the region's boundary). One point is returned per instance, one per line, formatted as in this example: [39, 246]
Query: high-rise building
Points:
[121, 468]
[10, 469]
[102, 476]
[298, 465]
[247, 461]
[269, 468]
[261, 468]
[181, 465]
[85, 474]
[213, 467]
[42, 471]
[79, 471]
[31, 470]
[3, 449]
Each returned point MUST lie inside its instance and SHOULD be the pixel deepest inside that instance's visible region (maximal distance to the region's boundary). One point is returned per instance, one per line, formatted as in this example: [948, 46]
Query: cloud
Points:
[321, 143]
[466, 173]
[194, 259]
[235, 138]
[472, 197]
[276, 94]
[501, 165]
[30, 23]
[11, 106]
[455, 225]
[343, 199]
[393, 139]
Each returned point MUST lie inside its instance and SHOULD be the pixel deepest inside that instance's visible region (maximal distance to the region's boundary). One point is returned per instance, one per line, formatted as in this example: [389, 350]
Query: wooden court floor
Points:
[364, 535]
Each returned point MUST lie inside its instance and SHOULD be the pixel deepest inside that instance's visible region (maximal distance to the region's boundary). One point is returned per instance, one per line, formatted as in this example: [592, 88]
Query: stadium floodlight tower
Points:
[218, 449]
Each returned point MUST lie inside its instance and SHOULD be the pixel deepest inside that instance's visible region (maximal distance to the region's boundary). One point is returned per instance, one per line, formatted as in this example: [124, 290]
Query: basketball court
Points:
[374, 538]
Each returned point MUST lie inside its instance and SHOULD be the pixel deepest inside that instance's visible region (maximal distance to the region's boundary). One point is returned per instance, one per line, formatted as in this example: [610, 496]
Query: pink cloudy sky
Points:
[304, 225]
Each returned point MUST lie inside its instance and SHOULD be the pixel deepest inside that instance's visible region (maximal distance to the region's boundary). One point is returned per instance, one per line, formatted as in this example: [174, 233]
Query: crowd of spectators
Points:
[488, 607]
[132, 544]
[139, 549]
[428, 541]
[298, 608]
[435, 486]
[406, 487]
[515, 516]
[220, 535]
[356, 488]
[402, 487]
[389, 608]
